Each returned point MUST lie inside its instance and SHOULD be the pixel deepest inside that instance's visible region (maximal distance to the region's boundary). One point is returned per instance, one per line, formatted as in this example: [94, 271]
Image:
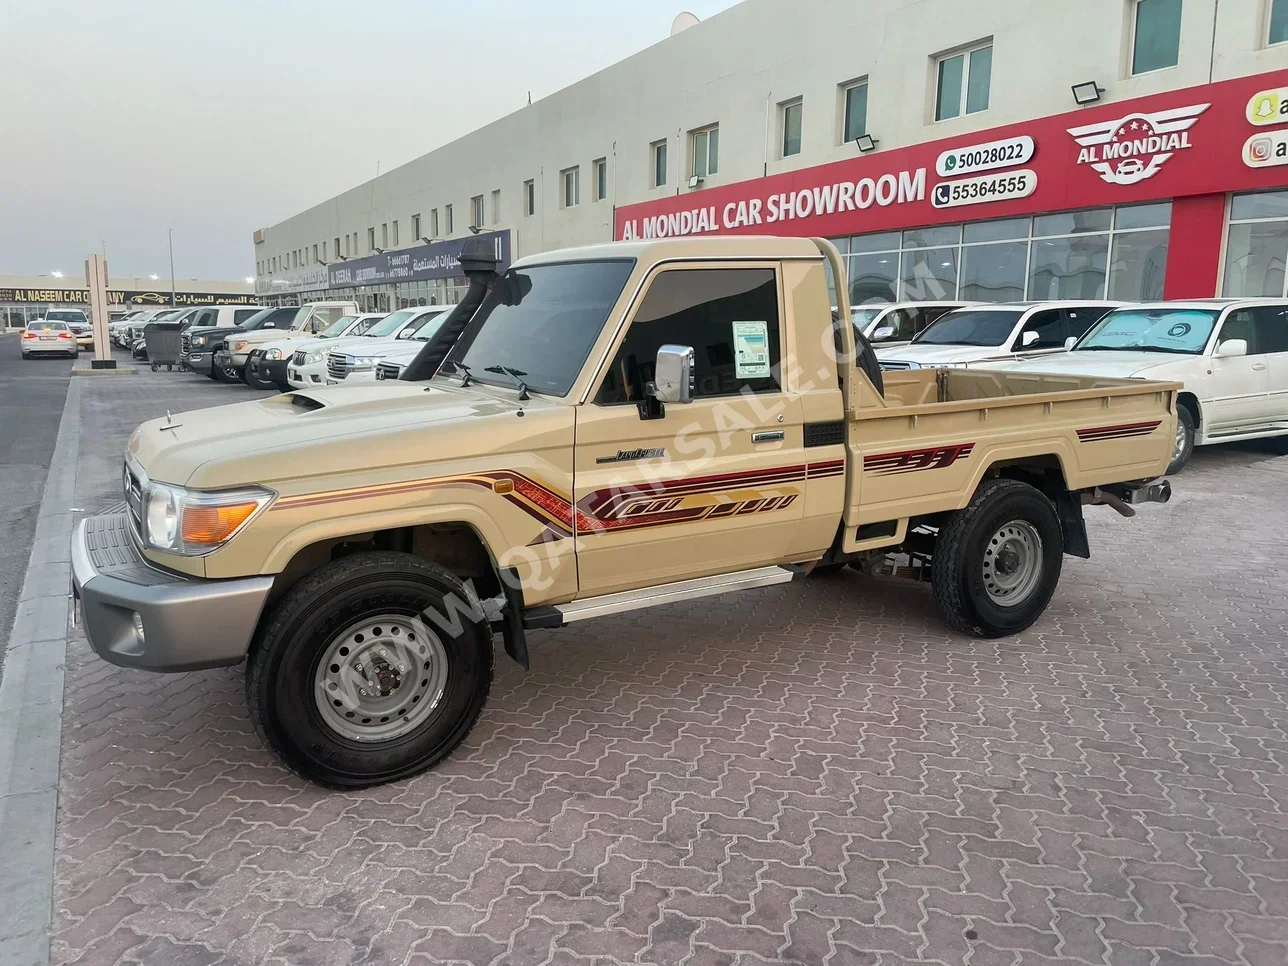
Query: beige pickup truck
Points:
[591, 432]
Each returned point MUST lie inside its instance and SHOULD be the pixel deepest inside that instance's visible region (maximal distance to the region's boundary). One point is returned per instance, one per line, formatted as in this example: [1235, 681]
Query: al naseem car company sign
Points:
[1205, 140]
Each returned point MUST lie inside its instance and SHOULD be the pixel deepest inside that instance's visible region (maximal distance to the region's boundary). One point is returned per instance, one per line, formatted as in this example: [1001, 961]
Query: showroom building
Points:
[952, 149]
[27, 297]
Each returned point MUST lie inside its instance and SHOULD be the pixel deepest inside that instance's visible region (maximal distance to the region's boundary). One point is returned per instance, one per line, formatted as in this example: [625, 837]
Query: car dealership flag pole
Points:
[96, 282]
[172, 298]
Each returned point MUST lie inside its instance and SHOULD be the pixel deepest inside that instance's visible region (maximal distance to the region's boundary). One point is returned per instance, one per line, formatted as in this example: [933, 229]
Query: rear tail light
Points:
[29, 335]
[64, 335]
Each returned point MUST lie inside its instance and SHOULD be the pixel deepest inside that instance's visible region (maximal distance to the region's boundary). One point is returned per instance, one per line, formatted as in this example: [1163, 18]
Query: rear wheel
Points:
[228, 374]
[1183, 442]
[352, 682]
[997, 562]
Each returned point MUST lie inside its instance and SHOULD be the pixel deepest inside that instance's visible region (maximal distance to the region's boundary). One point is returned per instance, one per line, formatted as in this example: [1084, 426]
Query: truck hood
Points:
[937, 355]
[1089, 362]
[320, 432]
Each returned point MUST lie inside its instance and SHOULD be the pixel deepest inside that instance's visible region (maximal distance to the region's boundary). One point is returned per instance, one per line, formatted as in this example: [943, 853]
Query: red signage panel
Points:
[1201, 140]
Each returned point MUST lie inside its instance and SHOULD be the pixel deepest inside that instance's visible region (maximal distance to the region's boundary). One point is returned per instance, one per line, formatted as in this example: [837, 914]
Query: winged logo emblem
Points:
[1131, 149]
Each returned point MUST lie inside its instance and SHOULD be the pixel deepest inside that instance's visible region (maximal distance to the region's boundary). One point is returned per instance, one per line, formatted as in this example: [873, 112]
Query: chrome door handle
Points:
[770, 437]
[1258, 366]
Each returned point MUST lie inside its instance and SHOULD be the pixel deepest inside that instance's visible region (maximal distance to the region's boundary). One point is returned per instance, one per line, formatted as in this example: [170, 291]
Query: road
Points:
[31, 405]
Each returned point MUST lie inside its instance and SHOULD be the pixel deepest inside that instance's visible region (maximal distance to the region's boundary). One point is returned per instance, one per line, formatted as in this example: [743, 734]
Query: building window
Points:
[415, 227]
[854, 110]
[1092, 254]
[384, 235]
[395, 234]
[346, 247]
[601, 178]
[1256, 250]
[529, 198]
[790, 113]
[571, 187]
[496, 206]
[433, 223]
[1278, 21]
[295, 258]
[657, 164]
[315, 252]
[704, 148]
[337, 246]
[476, 212]
[451, 221]
[1156, 35]
[371, 239]
[964, 80]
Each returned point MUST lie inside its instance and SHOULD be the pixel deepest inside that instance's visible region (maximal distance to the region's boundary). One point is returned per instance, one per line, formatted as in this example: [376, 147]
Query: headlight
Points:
[272, 354]
[195, 522]
[199, 340]
[363, 362]
[238, 345]
[315, 356]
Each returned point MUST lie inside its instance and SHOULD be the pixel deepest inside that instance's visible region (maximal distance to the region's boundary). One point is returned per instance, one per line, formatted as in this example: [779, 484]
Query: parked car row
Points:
[1231, 355]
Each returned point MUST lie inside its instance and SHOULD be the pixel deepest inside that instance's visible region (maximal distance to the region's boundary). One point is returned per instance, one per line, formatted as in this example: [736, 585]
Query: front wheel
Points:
[1183, 442]
[369, 671]
[228, 374]
[997, 562]
[255, 382]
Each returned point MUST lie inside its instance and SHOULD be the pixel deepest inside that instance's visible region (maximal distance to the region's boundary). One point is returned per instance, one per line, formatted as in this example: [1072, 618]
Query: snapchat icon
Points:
[1268, 107]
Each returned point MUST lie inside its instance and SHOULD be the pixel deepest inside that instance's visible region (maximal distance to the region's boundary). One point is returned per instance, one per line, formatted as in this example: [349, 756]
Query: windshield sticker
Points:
[751, 350]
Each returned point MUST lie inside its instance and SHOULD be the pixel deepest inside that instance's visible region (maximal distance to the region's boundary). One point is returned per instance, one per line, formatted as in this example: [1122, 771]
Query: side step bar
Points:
[579, 610]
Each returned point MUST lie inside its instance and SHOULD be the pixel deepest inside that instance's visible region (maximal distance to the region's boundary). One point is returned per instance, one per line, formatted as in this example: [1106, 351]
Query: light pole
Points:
[172, 298]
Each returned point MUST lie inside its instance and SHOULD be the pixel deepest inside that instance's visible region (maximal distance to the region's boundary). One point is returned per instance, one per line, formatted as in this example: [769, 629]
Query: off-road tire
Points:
[1185, 422]
[957, 580]
[291, 640]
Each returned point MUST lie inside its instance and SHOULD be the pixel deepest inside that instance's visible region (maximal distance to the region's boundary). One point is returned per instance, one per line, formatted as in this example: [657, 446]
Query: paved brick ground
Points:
[812, 774]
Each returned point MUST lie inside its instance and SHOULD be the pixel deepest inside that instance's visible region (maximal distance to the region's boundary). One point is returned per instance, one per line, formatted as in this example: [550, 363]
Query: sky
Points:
[127, 118]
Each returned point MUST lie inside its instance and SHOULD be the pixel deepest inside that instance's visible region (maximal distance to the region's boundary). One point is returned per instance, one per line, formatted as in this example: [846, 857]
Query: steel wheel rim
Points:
[380, 678]
[1178, 445]
[1012, 568]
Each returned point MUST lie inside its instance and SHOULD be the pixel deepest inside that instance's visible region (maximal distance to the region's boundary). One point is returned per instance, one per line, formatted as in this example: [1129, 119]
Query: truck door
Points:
[1240, 384]
[712, 486]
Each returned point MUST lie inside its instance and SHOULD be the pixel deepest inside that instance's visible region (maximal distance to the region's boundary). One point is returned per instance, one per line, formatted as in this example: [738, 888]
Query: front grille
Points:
[185, 342]
[134, 498]
[299, 357]
[388, 370]
[338, 365]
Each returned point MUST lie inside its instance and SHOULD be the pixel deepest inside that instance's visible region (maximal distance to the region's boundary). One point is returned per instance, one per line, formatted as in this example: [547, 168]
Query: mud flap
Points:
[512, 633]
[1068, 506]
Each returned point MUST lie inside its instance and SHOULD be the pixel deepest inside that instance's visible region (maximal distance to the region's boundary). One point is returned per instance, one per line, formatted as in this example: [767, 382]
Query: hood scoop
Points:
[307, 403]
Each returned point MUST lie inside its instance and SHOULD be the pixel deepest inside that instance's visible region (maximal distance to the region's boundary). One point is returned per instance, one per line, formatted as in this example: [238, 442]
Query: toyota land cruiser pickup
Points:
[590, 432]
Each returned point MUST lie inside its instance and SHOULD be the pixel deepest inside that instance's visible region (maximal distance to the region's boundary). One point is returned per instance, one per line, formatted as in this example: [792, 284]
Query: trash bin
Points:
[163, 342]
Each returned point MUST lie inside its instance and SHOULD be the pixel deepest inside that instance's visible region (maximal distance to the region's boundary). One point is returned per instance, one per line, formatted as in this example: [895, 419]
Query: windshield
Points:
[391, 323]
[66, 315]
[986, 327]
[428, 326]
[300, 316]
[1155, 330]
[337, 327]
[541, 322]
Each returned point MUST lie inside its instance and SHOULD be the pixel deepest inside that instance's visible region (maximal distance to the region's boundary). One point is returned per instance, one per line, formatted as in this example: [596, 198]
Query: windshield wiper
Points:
[464, 370]
[513, 374]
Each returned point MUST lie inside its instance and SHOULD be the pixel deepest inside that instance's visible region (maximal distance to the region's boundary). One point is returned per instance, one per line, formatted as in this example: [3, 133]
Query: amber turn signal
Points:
[211, 525]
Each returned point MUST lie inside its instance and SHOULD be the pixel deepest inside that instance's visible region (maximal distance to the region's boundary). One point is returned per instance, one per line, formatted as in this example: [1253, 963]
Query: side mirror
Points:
[1069, 342]
[1231, 347]
[1028, 339]
[884, 332]
[673, 374]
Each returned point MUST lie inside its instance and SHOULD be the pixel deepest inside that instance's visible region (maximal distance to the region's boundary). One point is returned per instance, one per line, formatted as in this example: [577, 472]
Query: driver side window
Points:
[1048, 325]
[1239, 325]
[729, 317]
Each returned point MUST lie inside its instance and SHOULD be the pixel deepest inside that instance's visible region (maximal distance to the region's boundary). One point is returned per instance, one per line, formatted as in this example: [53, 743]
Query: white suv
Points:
[351, 364]
[1231, 356]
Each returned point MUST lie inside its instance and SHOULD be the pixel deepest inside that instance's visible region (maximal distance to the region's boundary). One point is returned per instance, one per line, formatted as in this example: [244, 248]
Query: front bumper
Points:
[198, 360]
[353, 377]
[267, 370]
[188, 623]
